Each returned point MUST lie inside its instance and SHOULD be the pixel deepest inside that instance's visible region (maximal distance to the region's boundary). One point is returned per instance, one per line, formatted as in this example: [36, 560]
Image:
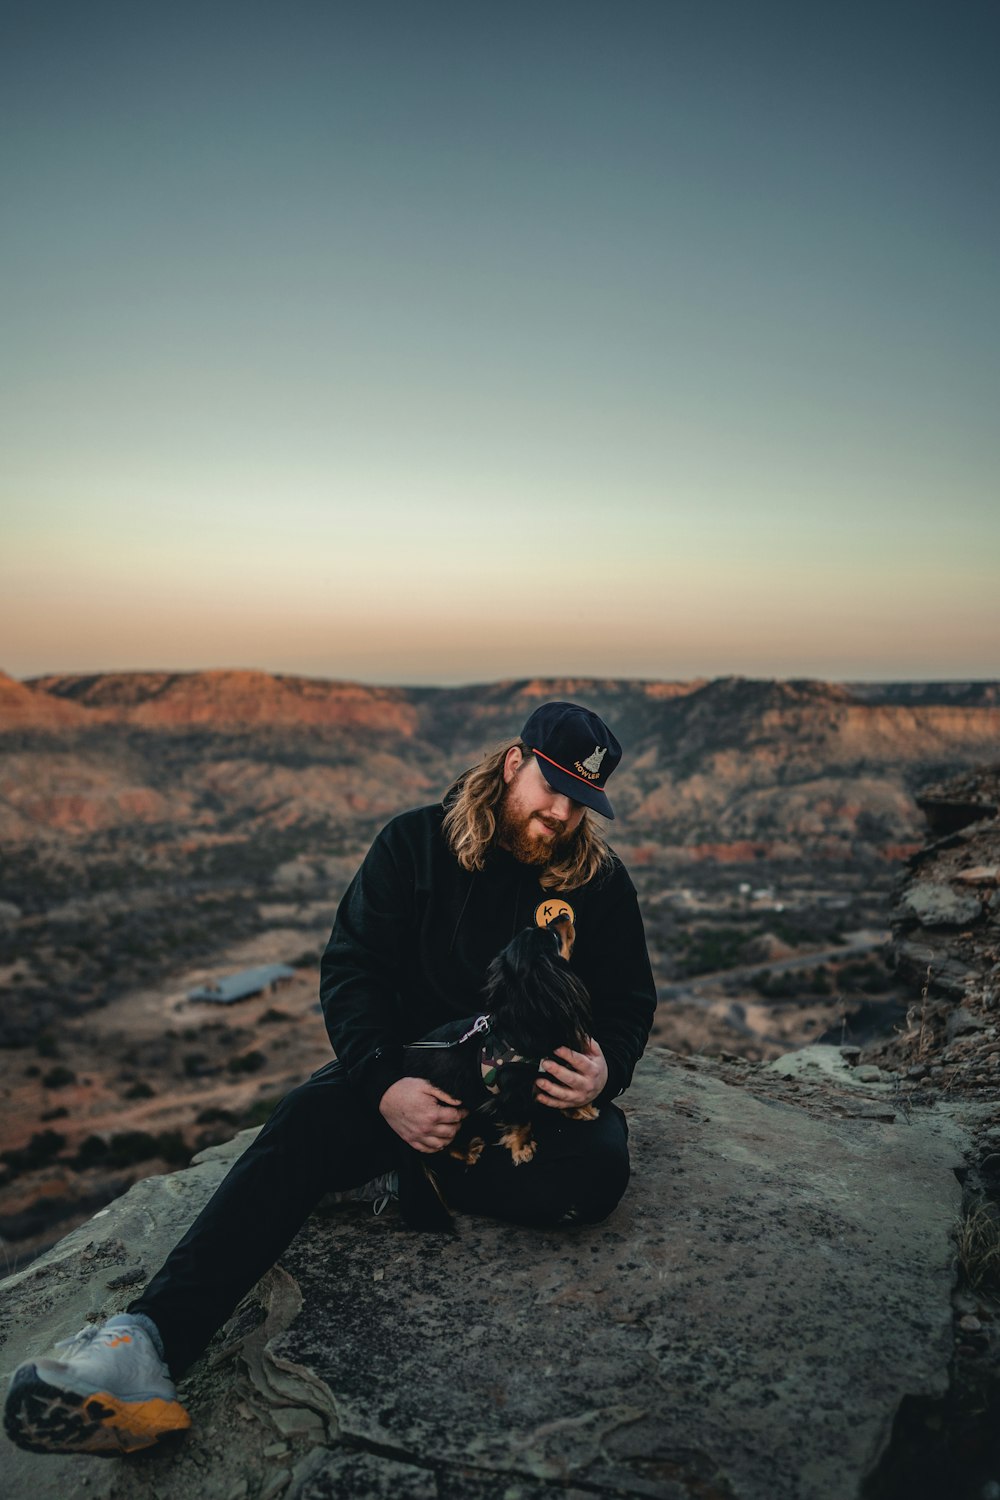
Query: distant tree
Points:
[58, 1077]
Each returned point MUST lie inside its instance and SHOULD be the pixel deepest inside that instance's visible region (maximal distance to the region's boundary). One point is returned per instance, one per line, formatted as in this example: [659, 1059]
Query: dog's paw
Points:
[471, 1153]
[583, 1112]
[520, 1143]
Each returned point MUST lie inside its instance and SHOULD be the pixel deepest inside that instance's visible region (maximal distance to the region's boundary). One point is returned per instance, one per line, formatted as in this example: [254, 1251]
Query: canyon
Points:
[161, 830]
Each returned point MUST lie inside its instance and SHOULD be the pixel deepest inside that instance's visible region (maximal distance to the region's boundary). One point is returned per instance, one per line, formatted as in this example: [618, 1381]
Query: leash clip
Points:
[481, 1024]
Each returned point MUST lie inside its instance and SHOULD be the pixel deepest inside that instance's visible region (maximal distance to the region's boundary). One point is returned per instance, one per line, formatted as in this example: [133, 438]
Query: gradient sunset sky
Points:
[424, 342]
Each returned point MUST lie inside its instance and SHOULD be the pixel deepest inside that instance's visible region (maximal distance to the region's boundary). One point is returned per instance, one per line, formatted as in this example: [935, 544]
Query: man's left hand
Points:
[574, 1081]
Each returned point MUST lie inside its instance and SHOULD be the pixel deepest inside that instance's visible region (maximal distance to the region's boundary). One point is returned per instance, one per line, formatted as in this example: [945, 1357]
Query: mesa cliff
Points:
[764, 767]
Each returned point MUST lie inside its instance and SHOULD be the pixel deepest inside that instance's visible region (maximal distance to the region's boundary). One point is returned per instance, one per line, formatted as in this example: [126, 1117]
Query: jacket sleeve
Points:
[621, 981]
[359, 981]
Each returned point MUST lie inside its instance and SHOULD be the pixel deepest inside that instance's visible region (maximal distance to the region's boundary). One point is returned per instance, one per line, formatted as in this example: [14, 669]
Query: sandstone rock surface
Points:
[946, 940]
[939, 906]
[775, 1282]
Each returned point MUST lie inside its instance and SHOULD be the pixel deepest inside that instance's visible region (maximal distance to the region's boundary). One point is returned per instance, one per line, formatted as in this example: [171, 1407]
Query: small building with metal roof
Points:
[242, 985]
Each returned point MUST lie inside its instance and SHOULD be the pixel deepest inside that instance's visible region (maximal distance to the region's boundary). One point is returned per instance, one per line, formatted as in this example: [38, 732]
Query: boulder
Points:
[936, 905]
[775, 1282]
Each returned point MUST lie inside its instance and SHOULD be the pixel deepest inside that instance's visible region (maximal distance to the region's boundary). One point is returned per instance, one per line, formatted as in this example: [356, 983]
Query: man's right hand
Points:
[425, 1117]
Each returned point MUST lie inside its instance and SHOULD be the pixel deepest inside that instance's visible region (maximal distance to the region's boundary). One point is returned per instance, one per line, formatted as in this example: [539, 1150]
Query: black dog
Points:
[535, 1004]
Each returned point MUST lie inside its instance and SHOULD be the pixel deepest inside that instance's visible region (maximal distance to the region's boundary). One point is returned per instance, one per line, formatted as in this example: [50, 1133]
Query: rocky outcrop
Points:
[776, 1282]
[951, 805]
[946, 941]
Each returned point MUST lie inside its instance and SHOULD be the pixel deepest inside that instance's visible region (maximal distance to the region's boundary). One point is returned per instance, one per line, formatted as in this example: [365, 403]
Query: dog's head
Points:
[537, 1002]
[565, 934]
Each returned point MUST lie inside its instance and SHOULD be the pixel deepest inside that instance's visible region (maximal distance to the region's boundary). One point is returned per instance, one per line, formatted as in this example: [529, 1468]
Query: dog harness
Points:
[494, 1052]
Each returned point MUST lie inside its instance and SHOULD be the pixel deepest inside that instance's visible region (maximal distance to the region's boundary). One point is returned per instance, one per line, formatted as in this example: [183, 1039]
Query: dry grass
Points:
[919, 1033]
[977, 1241]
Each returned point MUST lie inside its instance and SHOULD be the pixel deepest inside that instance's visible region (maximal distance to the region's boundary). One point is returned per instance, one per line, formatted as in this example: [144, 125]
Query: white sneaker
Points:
[108, 1391]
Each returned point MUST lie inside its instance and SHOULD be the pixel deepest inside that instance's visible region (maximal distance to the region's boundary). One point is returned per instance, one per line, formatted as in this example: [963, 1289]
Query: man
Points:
[440, 892]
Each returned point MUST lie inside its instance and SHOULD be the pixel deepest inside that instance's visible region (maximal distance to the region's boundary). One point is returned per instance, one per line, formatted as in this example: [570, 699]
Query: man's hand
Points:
[576, 1080]
[425, 1117]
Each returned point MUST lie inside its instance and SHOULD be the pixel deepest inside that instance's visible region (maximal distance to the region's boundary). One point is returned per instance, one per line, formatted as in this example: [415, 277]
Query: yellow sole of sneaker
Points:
[44, 1419]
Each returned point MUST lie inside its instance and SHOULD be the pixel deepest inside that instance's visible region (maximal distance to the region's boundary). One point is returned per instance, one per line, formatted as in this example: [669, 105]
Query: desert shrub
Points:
[92, 1151]
[793, 983]
[214, 1116]
[40, 1150]
[776, 986]
[140, 1090]
[138, 1145]
[171, 1145]
[818, 981]
[197, 1065]
[214, 1136]
[712, 948]
[250, 1062]
[868, 975]
[58, 1077]
[259, 1113]
[130, 1146]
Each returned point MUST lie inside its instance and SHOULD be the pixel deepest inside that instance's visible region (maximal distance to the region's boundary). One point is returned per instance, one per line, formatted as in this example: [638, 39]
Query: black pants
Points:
[325, 1137]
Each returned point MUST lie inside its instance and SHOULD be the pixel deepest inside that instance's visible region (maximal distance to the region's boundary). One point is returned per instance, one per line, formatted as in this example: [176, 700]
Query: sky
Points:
[445, 342]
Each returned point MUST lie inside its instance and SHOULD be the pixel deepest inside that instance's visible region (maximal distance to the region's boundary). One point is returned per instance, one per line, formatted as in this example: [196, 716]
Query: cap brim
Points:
[577, 790]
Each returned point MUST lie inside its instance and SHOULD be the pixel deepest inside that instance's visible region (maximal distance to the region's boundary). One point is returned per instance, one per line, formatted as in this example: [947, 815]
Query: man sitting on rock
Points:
[441, 891]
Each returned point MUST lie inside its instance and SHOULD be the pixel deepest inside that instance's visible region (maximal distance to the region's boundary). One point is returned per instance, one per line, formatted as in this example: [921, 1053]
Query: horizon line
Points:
[449, 686]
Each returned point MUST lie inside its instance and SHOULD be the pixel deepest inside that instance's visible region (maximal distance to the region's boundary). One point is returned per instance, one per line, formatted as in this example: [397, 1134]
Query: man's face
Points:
[535, 822]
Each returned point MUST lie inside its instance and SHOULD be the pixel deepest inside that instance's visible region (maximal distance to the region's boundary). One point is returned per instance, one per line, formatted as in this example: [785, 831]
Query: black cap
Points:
[576, 752]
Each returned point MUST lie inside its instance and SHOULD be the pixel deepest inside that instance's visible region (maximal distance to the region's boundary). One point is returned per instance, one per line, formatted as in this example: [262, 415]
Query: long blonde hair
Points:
[470, 825]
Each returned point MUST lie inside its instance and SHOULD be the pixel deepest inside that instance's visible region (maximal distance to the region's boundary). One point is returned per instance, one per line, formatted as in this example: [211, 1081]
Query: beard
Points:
[529, 848]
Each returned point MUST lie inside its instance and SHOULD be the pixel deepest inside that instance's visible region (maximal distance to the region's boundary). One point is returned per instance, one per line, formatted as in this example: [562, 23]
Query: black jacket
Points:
[415, 933]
